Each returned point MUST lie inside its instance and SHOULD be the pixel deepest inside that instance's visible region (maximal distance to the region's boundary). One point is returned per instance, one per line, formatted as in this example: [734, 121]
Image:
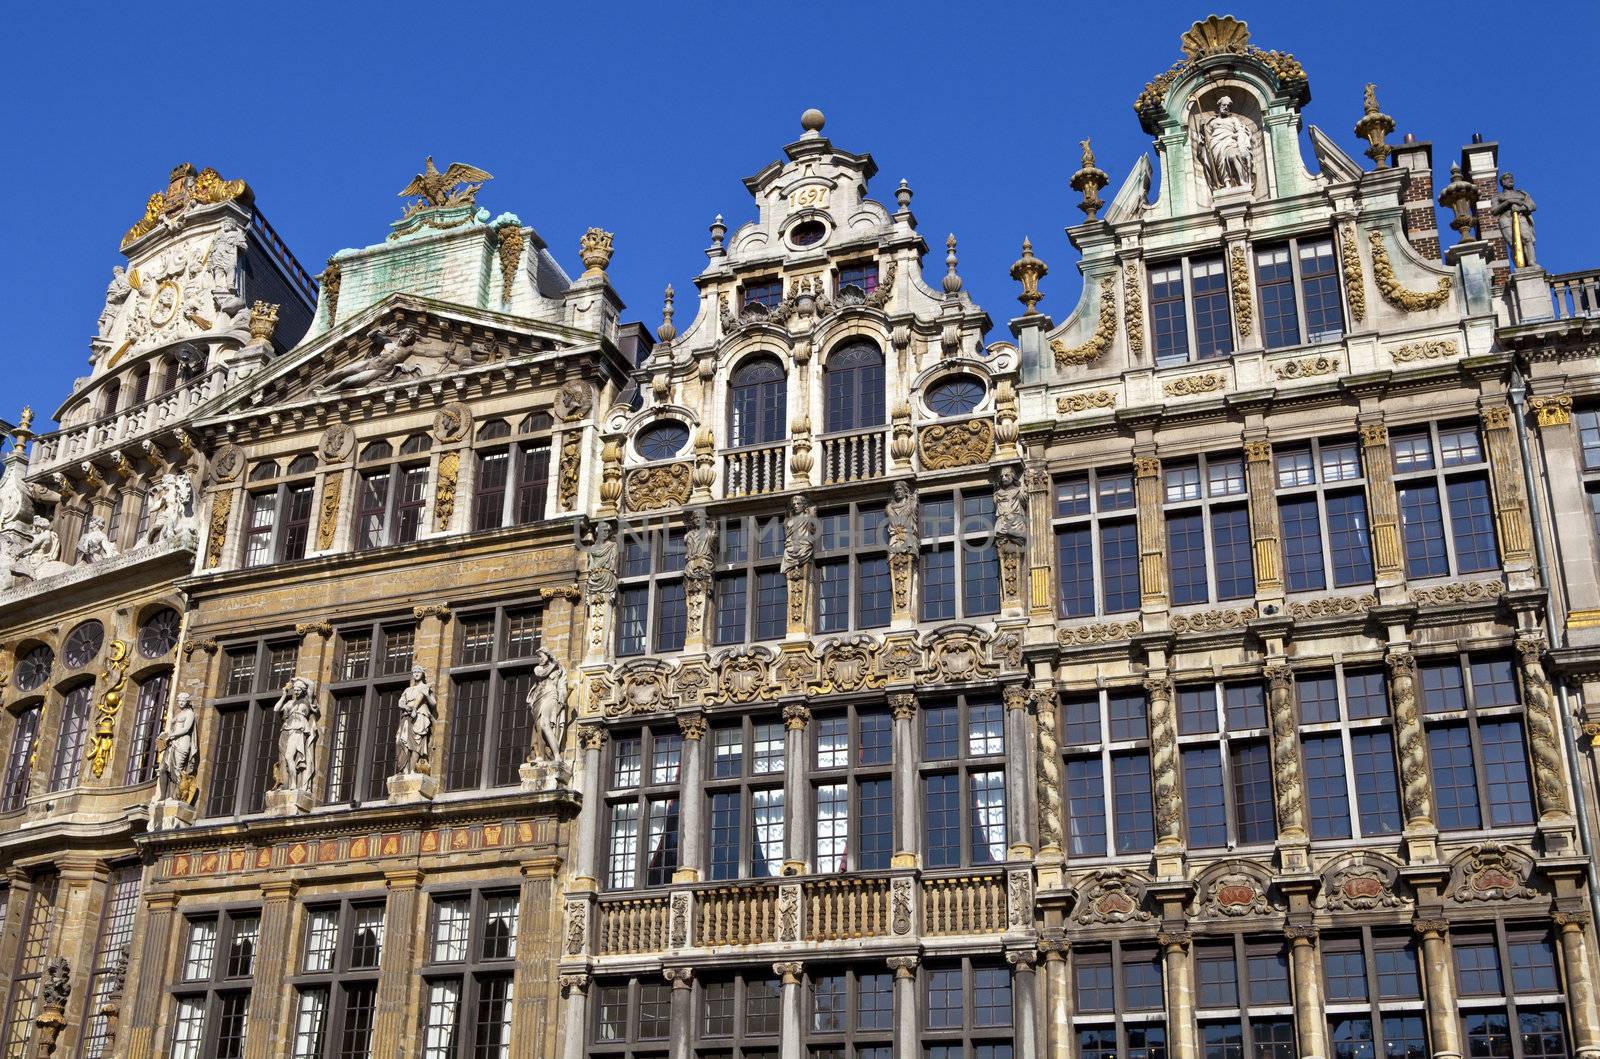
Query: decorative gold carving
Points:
[444, 493]
[451, 422]
[1258, 450]
[1083, 402]
[902, 442]
[1111, 897]
[610, 475]
[512, 242]
[1431, 927]
[102, 741]
[185, 187]
[1105, 330]
[1408, 301]
[654, 488]
[1239, 280]
[328, 517]
[1098, 633]
[1416, 794]
[594, 249]
[591, 736]
[1554, 410]
[321, 628]
[796, 715]
[1458, 592]
[1028, 270]
[217, 530]
[1332, 607]
[456, 186]
[901, 566]
[330, 280]
[567, 476]
[1217, 35]
[1355, 282]
[1306, 367]
[1147, 466]
[1133, 309]
[1374, 435]
[1540, 707]
[1222, 620]
[1088, 181]
[957, 445]
[1190, 385]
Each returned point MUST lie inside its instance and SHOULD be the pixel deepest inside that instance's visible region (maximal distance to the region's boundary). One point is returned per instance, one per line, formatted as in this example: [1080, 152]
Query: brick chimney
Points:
[1421, 223]
[1480, 163]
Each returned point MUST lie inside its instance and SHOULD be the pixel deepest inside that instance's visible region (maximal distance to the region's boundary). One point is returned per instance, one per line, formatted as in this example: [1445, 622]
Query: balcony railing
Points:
[840, 909]
[964, 904]
[753, 471]
[631, 926]
[853, 457]
[74, 444]
[1576, 294]
[736, 915]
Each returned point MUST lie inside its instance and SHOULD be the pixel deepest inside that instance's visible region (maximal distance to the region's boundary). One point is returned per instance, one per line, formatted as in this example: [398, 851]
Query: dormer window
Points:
[764, 292]
[109, 397]
[1189, 314]
[808, 233]
[863, 274]
[1298, 284]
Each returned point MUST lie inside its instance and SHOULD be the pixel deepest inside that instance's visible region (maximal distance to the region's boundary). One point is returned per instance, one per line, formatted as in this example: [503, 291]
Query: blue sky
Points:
[644, 120]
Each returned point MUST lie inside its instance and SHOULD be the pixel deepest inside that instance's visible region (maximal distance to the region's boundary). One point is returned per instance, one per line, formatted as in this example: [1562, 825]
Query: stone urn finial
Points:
[1088, 181]
[1374, 126]
[1027, 270]
[595, 251]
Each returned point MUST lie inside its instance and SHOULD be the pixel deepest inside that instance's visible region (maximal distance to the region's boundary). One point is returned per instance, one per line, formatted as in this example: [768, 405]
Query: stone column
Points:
[1311, 1018]
[1181, 1036]
[1025, 1001]
[903, 708]
[403, 926]
[1047, 774]
[793, 1025]
[1041, 546]
[538, 940]
[1164, 774]
[1019, 826]
[1582, 1009]
[1057, 997]
[149, 973]
[796, 819]
[1264, 519]
[1510, 500]
[681, 1044]
[591, 737]
[1288, 788]
[19, 887]
[905, 1007]
[1539, 703]
[692, 805]
[1438, 973]
[574, 1015]
[80, 898]
[1416, 785]
[1382, 504]
[271, 1016]
[1152, 533]
[1569, 508]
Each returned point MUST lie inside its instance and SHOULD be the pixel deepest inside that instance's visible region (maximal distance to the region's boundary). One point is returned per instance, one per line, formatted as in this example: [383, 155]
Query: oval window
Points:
[662, 441]
[808, 233]
[956, 395]
[33, 668]
[159, 633]
[83, 643]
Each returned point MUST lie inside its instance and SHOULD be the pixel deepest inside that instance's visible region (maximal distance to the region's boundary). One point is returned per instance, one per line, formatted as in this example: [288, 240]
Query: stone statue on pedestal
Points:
[94, 546]
[413, 738]
[1226, 147]
[168, 505]
[900, 518]
[547, 699]
[179, 760]
[799, 536]
[1010, 509]
[601, 579]
[297, 737]
[1514, 209]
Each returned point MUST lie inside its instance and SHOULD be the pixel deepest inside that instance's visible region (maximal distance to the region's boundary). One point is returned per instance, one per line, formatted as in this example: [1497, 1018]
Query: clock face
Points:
[83, 643]
[33, 669]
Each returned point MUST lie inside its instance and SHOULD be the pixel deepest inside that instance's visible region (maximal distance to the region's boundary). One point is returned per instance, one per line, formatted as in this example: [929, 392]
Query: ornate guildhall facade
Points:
[420, 661]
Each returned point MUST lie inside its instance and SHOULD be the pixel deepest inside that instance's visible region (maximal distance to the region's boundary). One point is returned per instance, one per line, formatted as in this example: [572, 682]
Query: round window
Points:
[808, 233]
[662, 441]
[83, 643]
[159, 633]
[33, 668]
[956, 395]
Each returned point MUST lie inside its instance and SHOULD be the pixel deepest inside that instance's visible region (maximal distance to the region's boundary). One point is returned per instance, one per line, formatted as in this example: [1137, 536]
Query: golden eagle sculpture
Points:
[456, 186]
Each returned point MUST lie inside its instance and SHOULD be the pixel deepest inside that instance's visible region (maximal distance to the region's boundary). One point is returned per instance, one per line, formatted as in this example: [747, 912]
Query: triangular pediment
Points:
[403, 341]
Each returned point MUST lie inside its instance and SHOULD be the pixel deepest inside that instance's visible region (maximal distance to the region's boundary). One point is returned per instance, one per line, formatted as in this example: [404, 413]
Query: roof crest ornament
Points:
[456, 186]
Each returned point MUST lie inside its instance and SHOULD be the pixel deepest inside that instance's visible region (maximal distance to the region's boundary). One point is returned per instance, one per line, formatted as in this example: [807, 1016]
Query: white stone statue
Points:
[94, 546]
[168, 506]
[117, 293]
[900, 521]
[1514, 207]
[699, 552]
[297, 738]
[394, 347]
[1226, 147]
[799, 536]
[179, 759]
[413, 738]
[224, 257]
[46, 546]
[1010, 508]
[547, 699]
[600, 580]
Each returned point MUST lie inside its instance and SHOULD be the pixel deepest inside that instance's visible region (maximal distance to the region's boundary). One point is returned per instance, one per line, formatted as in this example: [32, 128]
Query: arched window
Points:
[158, 633]
[392, 492]
[83, 643]
[954, 395]
[662, 441]
[109, 396]
[756, 398]
[166, 374]
[854, 388]
[141, 385]
[278, 521]
[33, 668]
[24, 731]
[512, 478]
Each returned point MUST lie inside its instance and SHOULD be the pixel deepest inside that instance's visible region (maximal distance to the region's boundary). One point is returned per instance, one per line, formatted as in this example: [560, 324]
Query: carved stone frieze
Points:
[1082, 402]
[1224, 619]
[957, 444]
[1111, 897]
[1098, 633]
[1332, 607]
[847, 664]
[1133, 309]
[1490, 872]
[1458, 592]
[1099, 342]
[1364, 883]
[1306, 367]
[1434, 350]
[642, 687]
[1239, 280]
[1192, 385]
[744, 676]
[654, 488]
[1233, 892]
[900, 898]
[954, 654]
[577, 936]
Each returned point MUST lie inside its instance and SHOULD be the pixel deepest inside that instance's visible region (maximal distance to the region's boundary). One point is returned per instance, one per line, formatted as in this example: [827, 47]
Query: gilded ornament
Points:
[654, 488]
[847, 665]
[1332, 607]
[1239, 281]
[452, 422]
[512, 242]
[217, 532]
[1028, 270]
[106, 710]
[567, 475]
[1147, 466]
[1133, 309]
[1389, 285]
[1083, 402]
[330, 280]
[1088, 181]
[1217, 35]
[444, 493]
[957, 445]
[1098, 633]
[594, 249]
[456, 186]
[1191, 385]
[1374, 126]
[1099, 342]
[1258, 450]
[1554, 410]
[1458, 592]
[1306, 367]
[1355, 283]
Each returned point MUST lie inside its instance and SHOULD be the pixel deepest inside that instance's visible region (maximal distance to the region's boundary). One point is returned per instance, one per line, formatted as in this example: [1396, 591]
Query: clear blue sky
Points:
[643, 119]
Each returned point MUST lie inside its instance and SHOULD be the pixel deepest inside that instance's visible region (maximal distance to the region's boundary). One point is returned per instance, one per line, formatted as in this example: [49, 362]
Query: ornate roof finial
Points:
[26, 419]
[1458, 197]
[902, 195]
[718, 231]
[952, 282]
[1217, 35]
[1028, 270]
[666, 332]
[456, 186]
[812, 122]
[1088, 180]
[1374, 126]
[595, 251]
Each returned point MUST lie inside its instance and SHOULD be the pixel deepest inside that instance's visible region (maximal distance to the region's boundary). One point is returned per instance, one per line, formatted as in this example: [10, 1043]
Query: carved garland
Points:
[1190, 385]
[1098, 633]
[1100, 341]
[1435, 350]
[328, 517]
[511, 244]
[444, 496]
[1083, 402]
[1355, 283]
[567, 477]
[1306, 368]
[1239, 280]
[1389, 286]
[217, 535]
[956, 445]
[653, 488]
[1132, 309]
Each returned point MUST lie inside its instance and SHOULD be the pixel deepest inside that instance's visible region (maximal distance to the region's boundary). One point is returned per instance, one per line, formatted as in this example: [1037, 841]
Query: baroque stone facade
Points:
[423, 662]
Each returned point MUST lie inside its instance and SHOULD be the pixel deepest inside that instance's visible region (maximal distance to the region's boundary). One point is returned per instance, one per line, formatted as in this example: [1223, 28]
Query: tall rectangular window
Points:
[24, 732]
[1209, 549]
[1473, 715]
[245, 744]
[1097, 543]
[963, 777]
[469, 960]
[336, 989]
[642, 788]
[212, 997]
[492, 727]
[37, 935]
[1510, 993]
[111, 948]
[1446, 512]
[966, 1010]
[277, 513]
[1348, 747]
[512, 478]
[1117, 996]
[960, 566]
[73, 728]
[1242, 998]
[652, 611]
[746, 810]
[852, 569]
[1299, 280]
[852, 782]
[1323, 510]
[373, 668]
[1225, 764]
